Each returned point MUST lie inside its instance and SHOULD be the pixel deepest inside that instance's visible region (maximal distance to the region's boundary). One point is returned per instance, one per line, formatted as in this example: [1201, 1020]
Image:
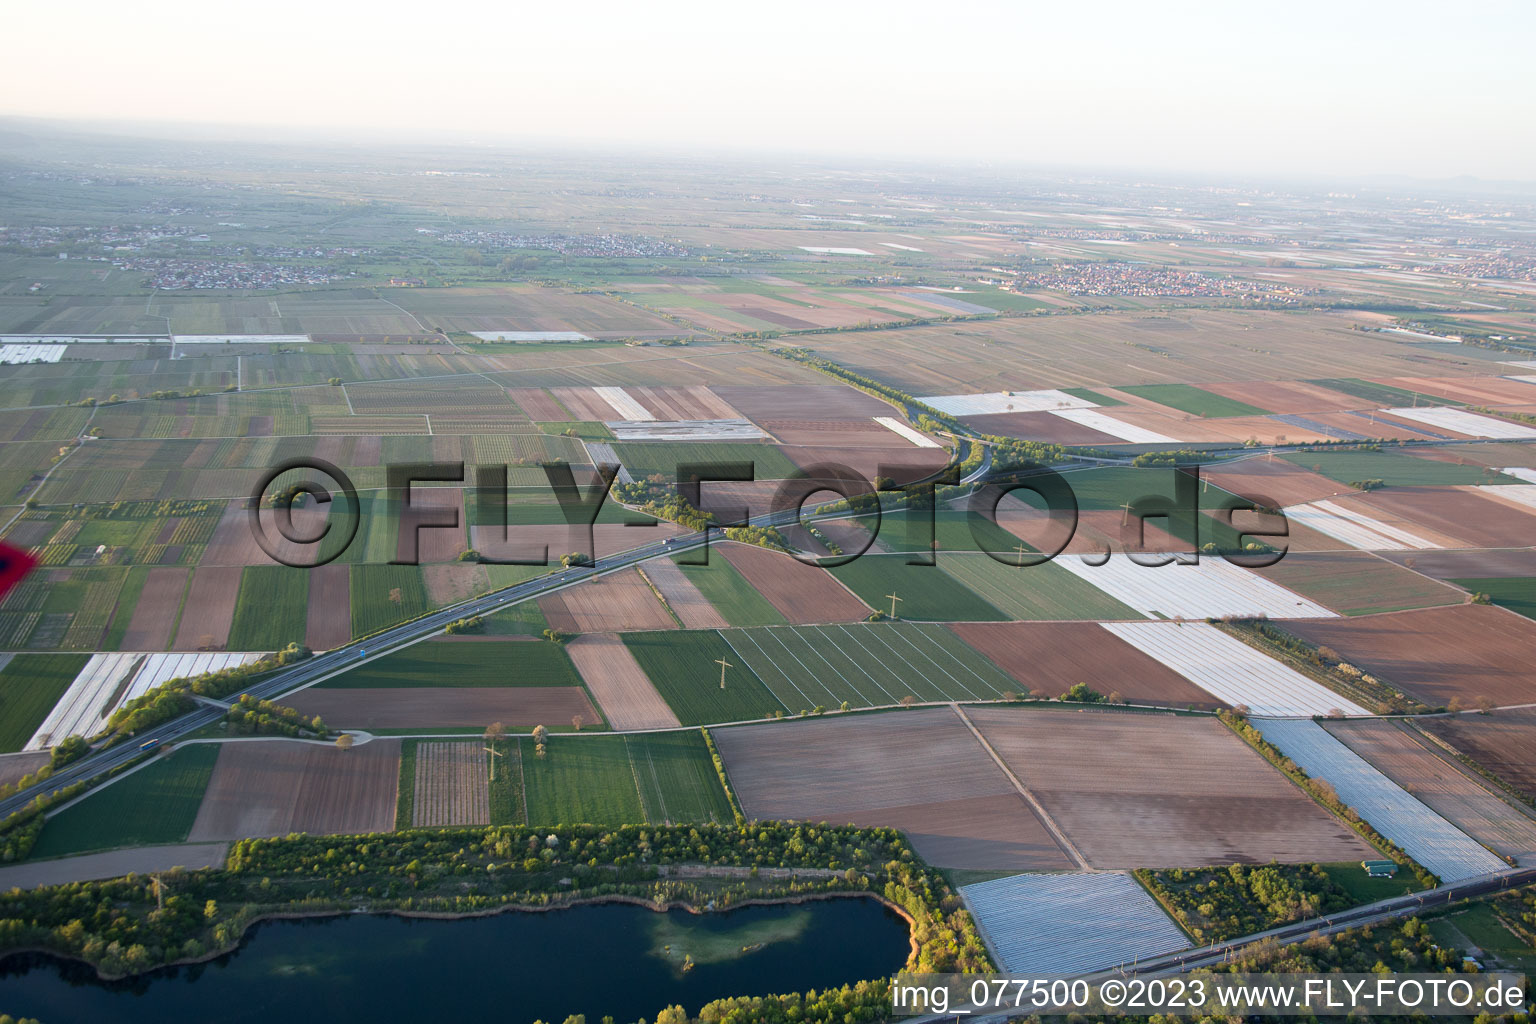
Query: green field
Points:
[1396, 468]
[30, 685]
[926, 593]
[730, 593]
[547, 510]
[1091, 396]
[952, 529]
[383, 595]
[681, 665]
[614, 780]
[1190, 399]
[1517, 593]
[1362, 888]
[156, 804]
[272, 609]
[864, 664]
[1045, 591]
[405, 790]
[1381, 394]
[643, 458]
[464, 663]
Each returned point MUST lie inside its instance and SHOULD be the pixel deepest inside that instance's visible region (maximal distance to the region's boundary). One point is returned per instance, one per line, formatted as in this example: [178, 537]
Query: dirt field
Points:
[830, 432]
[586, 404]
[1135, 790]
[1484, 391]
[1464, 652]
[159, 603]
[433, 543]
[1504, 742]
[618, 683]
[803, 594]
[867, 462]
[801, 402]
[233, 543]
[1039, 426]
[1049, 657]
[273, 787]
[694, 402]
[14, 766]
[330, 607]
[919, 771]
[681, 594]
[1465, 514]
[453, 784]
[1452, 565]
[453, 582]
[209, 609]
[1278, 481]
[619, 602]
[1358, 582]
[1287, 396]
[1400, 753]
[445, 706]
[539, 405]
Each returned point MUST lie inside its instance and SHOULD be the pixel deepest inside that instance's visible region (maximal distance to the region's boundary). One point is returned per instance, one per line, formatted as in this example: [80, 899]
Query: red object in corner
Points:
[14, 564]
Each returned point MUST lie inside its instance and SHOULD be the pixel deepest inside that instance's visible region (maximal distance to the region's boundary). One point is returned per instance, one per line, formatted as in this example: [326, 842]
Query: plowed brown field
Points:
[273, 787]
[1137, 790]
[618, 683]
[209, 609]
[1465, 652]
[1464, 514]
[619, 602]
[1049, 657]
[803, 594]
[801, 401]
[330, 607]
[681, 594]
[1504, 742]
[1408, 759]
[919, 771]
[155, 614]
[539, 404]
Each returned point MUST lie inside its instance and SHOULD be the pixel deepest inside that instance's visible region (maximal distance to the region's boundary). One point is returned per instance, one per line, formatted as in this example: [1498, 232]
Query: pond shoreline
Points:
[450, 915]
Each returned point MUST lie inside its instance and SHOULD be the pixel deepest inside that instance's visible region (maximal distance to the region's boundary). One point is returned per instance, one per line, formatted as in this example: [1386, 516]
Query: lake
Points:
[613, 959]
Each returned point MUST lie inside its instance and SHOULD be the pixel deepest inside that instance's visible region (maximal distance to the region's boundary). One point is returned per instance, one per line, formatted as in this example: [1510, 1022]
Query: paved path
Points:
[112, 864]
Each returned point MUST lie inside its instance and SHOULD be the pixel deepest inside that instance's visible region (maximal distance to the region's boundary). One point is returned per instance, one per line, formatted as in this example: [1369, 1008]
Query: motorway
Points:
[320, 666]
[314, 669]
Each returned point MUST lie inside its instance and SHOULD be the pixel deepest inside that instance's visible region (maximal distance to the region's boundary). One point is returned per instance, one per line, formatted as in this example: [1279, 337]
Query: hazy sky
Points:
[1324, 89]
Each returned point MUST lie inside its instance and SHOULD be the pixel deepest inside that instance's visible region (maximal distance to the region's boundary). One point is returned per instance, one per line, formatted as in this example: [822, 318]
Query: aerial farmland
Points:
[741, 541]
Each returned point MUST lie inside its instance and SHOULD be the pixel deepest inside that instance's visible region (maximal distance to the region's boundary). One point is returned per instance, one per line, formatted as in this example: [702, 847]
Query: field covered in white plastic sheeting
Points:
[109, 680]
[1212, 588]
[1393, 811]
[1006, 401]
[1070, 923]
[1464, 422]
[1230, 670]
[1357, 529]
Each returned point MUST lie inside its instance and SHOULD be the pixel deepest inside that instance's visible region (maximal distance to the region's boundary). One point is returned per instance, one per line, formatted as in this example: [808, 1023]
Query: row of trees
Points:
[132, 924]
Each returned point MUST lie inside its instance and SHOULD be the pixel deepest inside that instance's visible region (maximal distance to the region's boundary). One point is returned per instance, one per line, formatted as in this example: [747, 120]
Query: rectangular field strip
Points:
[1070, 923]
[1230, 670]
[1357, 529]
[865, 664]
[1212, 588]
[453, 784]
[1424, 835]
[1464, 422]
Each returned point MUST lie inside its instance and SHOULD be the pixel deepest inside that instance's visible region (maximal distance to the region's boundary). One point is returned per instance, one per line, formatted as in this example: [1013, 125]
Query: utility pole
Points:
[1021, 549]
[723, 666]
[894, 599]
[494, 755]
